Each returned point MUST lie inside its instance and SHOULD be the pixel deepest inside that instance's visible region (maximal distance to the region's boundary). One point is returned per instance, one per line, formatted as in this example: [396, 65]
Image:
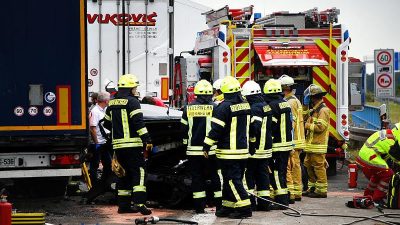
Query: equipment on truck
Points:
[307, 46]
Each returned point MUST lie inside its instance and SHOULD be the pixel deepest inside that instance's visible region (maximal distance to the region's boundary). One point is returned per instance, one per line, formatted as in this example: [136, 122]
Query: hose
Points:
[359, 218]
[155, 219]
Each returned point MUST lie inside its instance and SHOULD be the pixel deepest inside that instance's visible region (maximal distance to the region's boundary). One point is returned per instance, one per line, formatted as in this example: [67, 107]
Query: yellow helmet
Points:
[230, 85]
[272, 86]
[128, 81]
[203, 87]
[396, 131]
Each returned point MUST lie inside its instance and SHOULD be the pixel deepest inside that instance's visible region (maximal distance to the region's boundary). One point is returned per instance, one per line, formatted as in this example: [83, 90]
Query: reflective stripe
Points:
[201, 194]
[248, 130]
[283, 128]
[316, 148]
[232, 154]
[190, 132]
[283, 191]
[265, 193]
[141, 176]
[253, 139]
[183, 121]
[142, 131]
[310, 184]
[221, 180]
[278, 184]
[234, 191]
[228, 204]
[198, 148]
[256, 118]
[208, 125]
[274, 119]
[217, 194]
[242, 203]
[134, 112]
[106, 117]
[262, 154]
[312, 127]
[209, 141]
[124, 192]
[139, 188]
[263, 134]
[125, 123]
[185, 141]
[127, 145]
[218, 121]
[232, 140]
[126, 140]
[321, 187]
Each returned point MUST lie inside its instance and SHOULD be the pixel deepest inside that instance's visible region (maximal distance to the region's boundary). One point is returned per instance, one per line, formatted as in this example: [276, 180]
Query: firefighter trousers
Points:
[257, 177]
[234, 195]
[378, 182]
[294, 174]
[133, 183]
[279, 164]
[316, 170]
[201, 169]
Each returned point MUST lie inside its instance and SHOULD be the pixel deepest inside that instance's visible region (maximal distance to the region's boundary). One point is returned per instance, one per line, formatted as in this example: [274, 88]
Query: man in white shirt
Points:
[99, 147]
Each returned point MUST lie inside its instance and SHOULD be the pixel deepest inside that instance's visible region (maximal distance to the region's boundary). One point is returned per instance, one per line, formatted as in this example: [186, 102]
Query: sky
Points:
[372, 24]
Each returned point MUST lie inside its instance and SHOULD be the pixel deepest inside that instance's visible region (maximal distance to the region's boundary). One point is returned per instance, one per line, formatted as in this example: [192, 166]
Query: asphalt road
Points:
[70, 211]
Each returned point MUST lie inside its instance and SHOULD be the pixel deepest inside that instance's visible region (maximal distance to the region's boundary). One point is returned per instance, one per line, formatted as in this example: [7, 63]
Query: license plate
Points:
[7, 162]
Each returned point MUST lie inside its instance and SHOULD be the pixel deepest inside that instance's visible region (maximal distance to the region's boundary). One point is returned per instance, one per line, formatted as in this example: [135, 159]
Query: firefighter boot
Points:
[283, 200]
[317, 195]
[143, 210]
[242, 212]
[253, 202]
[291, 198]
[263, 205]
[308, 192]
[224, 212]
[124, 205]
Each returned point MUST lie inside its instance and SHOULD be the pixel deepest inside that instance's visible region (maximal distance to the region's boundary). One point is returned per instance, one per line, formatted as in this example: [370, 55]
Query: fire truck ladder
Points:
[242, 58]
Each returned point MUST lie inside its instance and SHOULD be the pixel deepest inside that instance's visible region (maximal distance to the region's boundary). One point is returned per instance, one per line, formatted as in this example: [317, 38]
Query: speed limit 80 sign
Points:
[384, 73]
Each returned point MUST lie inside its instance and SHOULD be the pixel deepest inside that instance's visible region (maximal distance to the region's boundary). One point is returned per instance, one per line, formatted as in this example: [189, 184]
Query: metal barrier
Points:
[368, 118]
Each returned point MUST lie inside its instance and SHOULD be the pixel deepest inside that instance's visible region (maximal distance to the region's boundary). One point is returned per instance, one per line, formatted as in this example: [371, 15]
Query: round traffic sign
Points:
[384, 58]
[19, 111]
[33, 110]
[48, 111]
[384, 80]
[94, 72]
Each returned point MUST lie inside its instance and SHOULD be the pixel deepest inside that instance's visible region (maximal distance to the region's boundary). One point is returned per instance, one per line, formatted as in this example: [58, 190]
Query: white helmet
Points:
[286, 80]
[217, 84]
[251, 88]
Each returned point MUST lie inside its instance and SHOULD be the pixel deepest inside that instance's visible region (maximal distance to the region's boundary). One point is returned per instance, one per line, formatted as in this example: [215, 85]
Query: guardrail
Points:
[369, 118]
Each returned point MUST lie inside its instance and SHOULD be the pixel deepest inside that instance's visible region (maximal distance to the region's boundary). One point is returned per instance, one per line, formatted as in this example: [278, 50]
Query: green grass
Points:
[394, 110]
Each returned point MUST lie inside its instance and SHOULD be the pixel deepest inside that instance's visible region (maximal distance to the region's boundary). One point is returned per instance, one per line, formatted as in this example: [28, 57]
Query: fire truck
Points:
[309, 46]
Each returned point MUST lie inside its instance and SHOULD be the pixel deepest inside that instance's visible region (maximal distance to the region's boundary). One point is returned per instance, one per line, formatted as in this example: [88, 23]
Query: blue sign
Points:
[396, 60]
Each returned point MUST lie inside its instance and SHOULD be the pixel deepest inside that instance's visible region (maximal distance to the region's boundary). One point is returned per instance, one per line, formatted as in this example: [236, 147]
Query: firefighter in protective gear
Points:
[230, 126]
[373, 156]
[282, 140]
[260, 146]
[196, 123]
[218, 95]
[294, 166]
[129, 135]
[317, 135]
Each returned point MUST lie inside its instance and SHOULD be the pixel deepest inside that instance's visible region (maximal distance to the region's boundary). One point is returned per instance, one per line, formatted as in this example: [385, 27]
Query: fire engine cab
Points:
[309, 46]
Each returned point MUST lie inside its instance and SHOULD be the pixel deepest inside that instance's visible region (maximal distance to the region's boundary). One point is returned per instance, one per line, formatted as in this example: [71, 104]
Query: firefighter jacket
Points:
[230, 126]
[125, 118]
[378, 148]
[281, 123]
[298, 121]
[196, 123]
[317, 129]
[260, 127]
